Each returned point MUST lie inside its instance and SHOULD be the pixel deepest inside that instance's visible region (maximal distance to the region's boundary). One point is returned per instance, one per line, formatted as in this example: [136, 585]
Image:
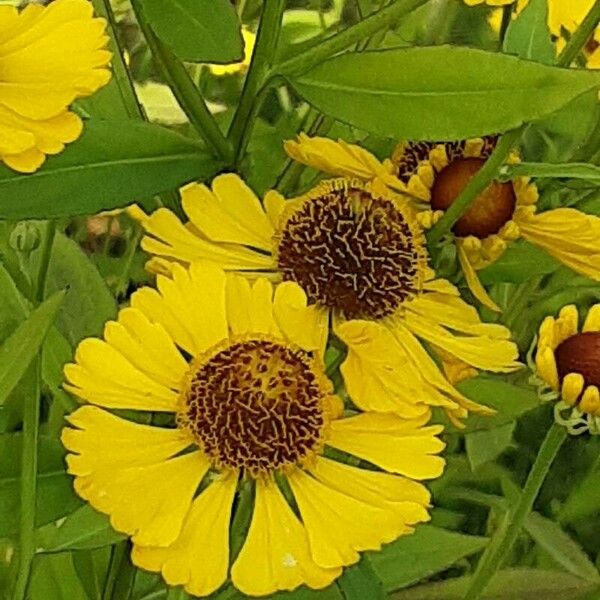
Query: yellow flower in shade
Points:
[239, 67]
[239, 371]
[358, 253]
[435, 173]
[49, 57]
[567, 362]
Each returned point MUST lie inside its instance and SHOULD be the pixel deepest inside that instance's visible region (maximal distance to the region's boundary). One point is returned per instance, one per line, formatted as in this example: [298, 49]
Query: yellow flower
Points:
[567, 362]
[435, 173]
[49, 57]
[239, 67]
[358, 253]
[238, 371]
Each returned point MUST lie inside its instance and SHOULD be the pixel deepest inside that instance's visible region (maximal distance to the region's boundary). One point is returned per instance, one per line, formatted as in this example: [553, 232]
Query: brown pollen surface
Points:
[352, 252]
[580, 353]
[256, 405]
[492, 209]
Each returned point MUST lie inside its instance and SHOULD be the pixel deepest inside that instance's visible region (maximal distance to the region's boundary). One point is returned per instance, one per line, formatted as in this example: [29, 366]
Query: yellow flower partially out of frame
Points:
[358, 252]
[49, 57]
[433, 174]
[239, 67]
[567, 361]
[239, 368]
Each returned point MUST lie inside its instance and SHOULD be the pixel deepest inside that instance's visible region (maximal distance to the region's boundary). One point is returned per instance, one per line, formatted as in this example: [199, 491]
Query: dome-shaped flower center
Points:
[491, 209]
[351, 251]
[256, 404]
[580, 353]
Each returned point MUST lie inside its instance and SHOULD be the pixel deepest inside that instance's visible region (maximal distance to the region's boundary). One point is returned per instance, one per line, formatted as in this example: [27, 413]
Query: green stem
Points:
[122, 77]
[46, 253]
[29, 467]
[176, 593]
[580, 38]
[505, 536]
[262, 57]
[185, 91]
[123, 282]
[118, 554]
[373, 23]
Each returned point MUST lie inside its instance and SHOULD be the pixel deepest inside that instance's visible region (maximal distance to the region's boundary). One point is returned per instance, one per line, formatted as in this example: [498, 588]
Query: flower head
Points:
[49, 57]
[357, 251]
[238, 377]
[567, 362]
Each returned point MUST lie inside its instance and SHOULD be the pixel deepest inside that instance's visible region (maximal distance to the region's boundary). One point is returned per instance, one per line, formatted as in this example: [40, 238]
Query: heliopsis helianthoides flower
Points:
[567, 365]
[49, 57]
[358, 253]
[240, 370]
[249, 39]
[434, 174]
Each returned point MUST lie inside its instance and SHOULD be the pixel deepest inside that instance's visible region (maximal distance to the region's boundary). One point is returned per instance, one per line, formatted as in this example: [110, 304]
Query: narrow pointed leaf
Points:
[440, 92]
[20, 348]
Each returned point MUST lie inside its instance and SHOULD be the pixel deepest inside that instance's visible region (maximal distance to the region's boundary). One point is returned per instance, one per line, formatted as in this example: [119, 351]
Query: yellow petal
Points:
[306, 326]
[572, 386]
[546, 366]
[473, 281]
[590, 401]
[199, 558]
[592, 320]
[261, 308]
[567, 234]
[147, 346]
[392, 443]
[378, 373]
[276, 554]
[408, 498]
[103, 376]
[190, 306]
[103, 441]
[231, 212]
[274, 204]
[340, 526]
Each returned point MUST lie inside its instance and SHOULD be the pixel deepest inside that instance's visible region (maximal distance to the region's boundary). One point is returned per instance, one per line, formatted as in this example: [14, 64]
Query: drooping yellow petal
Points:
[261, 308]
[230, 213]
[409, 498]
[199, 557]
[274, 204]
[169, 238]
[378, 373]
[473, 281]
[567, 234]
[276, 554]
[392, 443]
[306, 326]
[147, 346]
[339, 526]
[146, 493]
[190, 306]
[545, 363]
[592, 320]
[341, 159]
[572, 386]
[103, 376]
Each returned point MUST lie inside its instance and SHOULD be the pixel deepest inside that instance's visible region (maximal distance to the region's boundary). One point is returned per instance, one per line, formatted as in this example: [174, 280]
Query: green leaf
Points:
[484, 446]
[509, 400]
[528, 36]
[17, 352]
[54, 578]
[509, 584]
[584, 501]
[427, 551]
[55, 497]
[84, 529]
[563, 170]
[518, 263]
[197, 30]
[88, 302]
[360, 581]
[114, 164]
[562, 548]
[439, 93]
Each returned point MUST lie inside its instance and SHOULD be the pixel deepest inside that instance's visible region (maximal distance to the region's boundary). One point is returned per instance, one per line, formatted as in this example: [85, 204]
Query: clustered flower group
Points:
[228, 367]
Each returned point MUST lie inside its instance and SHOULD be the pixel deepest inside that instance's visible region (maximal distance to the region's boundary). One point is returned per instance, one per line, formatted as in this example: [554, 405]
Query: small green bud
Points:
[25, 237]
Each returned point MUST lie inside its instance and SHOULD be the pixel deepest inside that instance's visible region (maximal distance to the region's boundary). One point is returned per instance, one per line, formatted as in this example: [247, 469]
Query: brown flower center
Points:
[352, 252]
[580, 353]
[256, 404]
[491, 209]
